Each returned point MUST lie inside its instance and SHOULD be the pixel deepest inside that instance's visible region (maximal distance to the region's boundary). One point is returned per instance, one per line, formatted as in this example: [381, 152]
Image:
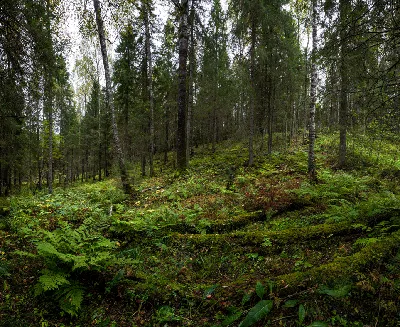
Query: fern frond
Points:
[51, 280]
[47, 249]
[80, 261]
[70, 298]
[25, 254]
[365, 241]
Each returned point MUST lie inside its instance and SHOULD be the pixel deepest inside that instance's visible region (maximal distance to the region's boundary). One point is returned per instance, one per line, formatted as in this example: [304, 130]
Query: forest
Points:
[199, 163]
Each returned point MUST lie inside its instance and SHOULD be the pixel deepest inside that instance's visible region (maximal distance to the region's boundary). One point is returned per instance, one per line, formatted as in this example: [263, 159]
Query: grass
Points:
[199, 248]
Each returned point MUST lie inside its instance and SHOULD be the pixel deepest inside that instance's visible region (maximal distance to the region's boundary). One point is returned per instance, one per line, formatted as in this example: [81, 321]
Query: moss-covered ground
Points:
[204, 248]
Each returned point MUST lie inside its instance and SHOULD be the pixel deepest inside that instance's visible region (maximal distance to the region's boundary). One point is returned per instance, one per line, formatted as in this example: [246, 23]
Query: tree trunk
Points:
[181, 153]
[49, 102]
[147, 13]
[271, 92]
[313, 87]
[252, 96]
[166, 144]
[50, 118]
[192, 59]
[343, 86]
[109, 100]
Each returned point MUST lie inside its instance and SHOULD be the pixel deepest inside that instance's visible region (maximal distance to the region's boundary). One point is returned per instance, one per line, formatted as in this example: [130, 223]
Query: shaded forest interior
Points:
[199, 162]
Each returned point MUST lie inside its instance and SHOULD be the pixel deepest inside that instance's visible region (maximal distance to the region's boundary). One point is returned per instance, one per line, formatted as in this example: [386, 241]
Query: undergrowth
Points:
[221, 245]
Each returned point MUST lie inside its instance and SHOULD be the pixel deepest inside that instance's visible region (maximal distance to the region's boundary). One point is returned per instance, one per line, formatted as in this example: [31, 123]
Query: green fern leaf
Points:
[51, 280]
[80, 261]
[70, 298]
[47, 249]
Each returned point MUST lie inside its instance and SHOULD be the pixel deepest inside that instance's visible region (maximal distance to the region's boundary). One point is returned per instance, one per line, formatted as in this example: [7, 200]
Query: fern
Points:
[70, 298]
[68, 252]
[363, 242]
[51, 280]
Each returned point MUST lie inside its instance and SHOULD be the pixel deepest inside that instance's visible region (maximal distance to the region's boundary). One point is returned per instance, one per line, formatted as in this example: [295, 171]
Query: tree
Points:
[166, 86]
[147, 12]
[109, 99]
[181, 146]
[343, 106]
[214, 99]
[313, 83]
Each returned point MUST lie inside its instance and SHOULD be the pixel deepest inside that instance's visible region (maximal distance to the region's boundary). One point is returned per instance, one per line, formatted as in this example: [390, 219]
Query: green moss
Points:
[343, 267]
[277, 238]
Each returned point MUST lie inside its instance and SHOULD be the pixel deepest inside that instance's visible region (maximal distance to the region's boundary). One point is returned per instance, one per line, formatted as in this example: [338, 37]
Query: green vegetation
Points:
[269, 249]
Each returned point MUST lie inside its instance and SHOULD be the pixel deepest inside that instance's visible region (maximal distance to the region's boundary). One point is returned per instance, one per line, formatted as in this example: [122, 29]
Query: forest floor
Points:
[221, 245]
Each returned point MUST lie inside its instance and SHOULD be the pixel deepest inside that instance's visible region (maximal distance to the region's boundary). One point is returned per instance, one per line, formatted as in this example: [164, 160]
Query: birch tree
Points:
[109, 98]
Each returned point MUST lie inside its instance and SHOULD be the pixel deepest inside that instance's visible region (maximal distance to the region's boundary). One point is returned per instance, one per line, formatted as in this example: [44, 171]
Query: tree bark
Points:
[343, 105]
[182, 158]
[49, 102]
[109, 100]
[191, 82]
[313, 87]
[252, 96]
[147, 13]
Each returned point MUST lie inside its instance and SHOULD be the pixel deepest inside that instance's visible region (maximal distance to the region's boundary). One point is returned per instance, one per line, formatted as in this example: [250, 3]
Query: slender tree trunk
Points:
[304, 119]
[39, 160]
[269, 116]
[191, 82]
[343, 105]
[49, 101]
[50, 117]
[214, 125]
[252, 96]
[109, 99]
[166, 144]
[182, 158]
[313, 82]
[147, 14]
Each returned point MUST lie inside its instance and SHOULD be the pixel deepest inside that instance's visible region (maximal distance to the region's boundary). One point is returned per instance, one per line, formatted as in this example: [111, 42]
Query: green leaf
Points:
[318, 324]
[246, 298]
[231, 318]
[260, 290]
[71, 298]
[51, 280]
[337, 292]
[290, 303]
[302, 313]
[259, 311]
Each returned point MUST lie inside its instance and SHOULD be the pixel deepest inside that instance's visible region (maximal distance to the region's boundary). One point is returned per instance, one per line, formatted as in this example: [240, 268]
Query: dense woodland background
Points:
[200, 163]
[204, 76]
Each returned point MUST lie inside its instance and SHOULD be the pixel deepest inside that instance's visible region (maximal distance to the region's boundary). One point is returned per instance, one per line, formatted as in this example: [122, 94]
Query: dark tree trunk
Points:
[343, 105]
[311, 136]
[269, 114]
[49, 102]
[50, 118]
[166, 144]
[252, 96]
[181, 153]
[146, 15]
[109, 99]
[192, 59]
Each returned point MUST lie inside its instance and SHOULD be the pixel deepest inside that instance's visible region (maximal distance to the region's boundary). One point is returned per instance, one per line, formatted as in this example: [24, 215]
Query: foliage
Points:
[260, 310]
[188, 252]
[67, 254]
